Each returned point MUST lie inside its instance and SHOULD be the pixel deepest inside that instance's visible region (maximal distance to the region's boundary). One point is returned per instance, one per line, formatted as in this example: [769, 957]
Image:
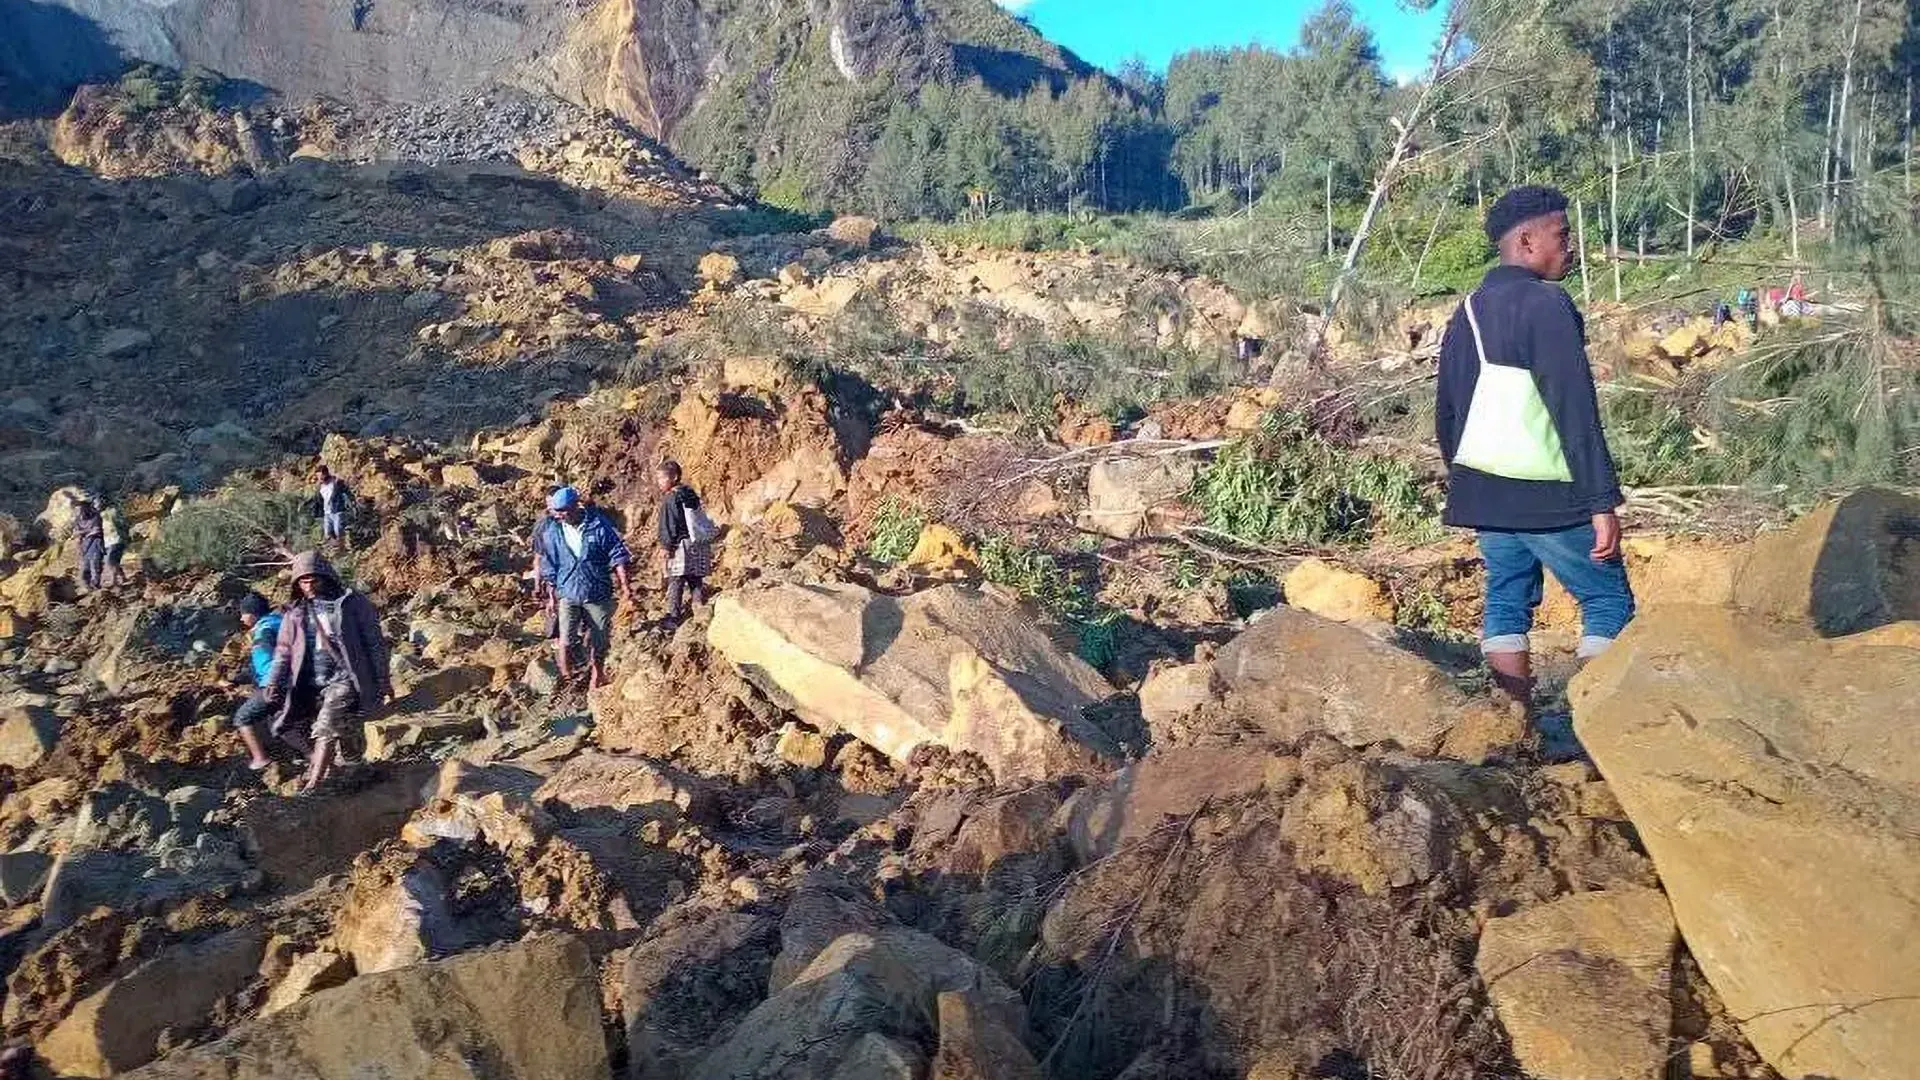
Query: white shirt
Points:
[572, 534]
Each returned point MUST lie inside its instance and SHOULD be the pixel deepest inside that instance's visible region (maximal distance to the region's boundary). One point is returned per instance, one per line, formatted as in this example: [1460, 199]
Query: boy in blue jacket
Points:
[263, 628]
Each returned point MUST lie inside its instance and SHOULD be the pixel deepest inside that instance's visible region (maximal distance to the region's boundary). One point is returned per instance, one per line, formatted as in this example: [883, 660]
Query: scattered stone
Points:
[625, 783]
[853, 231]
[980, 1039]
[529, 1011]
[798, 746]
[718, 269]
[541, 677]
[28, 734]
[1333, 593]
[387, 737]
[22, 875]
[876, 1057]
[400, 923]
[1124, 492]
[321, 969]
[1171, 694]
[297, 841]
[1775, 782]
[1582, 984]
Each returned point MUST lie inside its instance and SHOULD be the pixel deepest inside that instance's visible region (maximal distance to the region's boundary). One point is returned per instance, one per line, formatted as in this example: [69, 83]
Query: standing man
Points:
[332, 502]
[1518, 421]
[330, 662]
[90, 529]
[686, 549]
[581, 556]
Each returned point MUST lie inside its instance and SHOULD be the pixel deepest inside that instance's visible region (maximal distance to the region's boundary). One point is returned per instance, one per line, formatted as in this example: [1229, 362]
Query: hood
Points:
[311, 562]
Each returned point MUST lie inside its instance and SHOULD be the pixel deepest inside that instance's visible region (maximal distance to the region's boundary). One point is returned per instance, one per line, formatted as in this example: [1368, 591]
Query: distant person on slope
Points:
[1518, 421]
[686, 542]
[263, 633]
[332, 502]
[330, 661]
[113, 535]
[581, 556]
[90, 529]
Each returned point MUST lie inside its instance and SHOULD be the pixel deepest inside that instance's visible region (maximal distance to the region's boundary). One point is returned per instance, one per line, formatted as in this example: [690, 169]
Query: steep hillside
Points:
[793, 92]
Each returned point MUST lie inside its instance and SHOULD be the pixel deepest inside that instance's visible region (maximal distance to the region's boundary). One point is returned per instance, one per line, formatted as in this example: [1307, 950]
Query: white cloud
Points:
[1015, 5]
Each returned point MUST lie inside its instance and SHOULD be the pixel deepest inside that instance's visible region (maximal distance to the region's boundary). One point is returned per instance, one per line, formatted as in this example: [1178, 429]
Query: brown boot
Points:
[1512, 674]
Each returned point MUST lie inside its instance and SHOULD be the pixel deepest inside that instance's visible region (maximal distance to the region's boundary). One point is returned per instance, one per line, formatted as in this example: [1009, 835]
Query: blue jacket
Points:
[265, 632]
[587, 577]
[1532, 324]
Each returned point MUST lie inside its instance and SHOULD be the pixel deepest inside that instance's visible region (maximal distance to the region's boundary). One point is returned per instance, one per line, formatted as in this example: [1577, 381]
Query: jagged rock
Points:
[1582, 984]
[1333, 593]
[28, 733]
[1123, 492]
[1293, 672]
[123, 342]
[298, 841]
[22, 875]
[529, 1011]
[1846, 567]
[400, 923]
[386, 737]
[1167, 784]
[952, 666]
[719, 269]
[854, 231]
[1774, 780]
[685, 989]
[798, 746]
[1171, 694]
[823, 909]
[624, 783]
[1017, 824]
[980, 1040]
[321, 969]
[887, 982]
[121, 1026]
[876, 1057]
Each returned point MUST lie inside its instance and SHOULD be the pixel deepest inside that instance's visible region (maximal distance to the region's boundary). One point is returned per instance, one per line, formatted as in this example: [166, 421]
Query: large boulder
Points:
[529, 1011]
[887, 982]
[1774, 779]
[622, 784]
[1850, 565]
[1294, 673]
[121, 1026]
[954, 667]
[1583, 983]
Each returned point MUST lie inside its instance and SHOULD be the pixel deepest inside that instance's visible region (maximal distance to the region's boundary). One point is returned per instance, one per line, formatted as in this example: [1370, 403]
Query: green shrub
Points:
[896, 532]
[233, 530]
[1288, 485]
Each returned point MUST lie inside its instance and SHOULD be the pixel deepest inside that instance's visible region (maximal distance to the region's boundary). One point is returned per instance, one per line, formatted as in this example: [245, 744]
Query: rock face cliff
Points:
[653, 63]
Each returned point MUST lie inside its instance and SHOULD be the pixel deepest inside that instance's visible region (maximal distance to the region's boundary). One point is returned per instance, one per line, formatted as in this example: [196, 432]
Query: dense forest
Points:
[1677, 123]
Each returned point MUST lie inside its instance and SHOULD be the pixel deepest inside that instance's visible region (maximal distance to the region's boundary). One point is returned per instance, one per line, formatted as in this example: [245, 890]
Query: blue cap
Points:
[564, 499]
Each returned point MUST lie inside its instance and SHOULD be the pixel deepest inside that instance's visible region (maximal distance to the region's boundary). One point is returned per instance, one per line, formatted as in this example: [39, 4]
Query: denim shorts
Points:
[1515, 586]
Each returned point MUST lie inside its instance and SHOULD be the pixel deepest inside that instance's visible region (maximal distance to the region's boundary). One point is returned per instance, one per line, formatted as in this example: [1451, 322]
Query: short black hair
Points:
[1521, 205]
[671, 470]
[255, 605]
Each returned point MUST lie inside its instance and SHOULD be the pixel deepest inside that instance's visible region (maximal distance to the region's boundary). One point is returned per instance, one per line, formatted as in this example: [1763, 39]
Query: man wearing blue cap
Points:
[1518, 421]
[581, 556]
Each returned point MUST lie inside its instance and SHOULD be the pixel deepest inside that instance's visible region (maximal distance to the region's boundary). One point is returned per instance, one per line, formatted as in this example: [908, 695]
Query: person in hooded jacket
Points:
[330, 662]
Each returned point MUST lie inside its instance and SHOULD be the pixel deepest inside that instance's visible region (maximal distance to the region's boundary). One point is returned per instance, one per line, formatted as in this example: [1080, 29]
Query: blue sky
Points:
[1107, 32]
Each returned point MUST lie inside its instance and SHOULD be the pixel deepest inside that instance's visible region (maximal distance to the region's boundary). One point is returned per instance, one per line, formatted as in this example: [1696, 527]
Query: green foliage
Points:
[1289, 485]
[896, 531]
[1040, 578]
[147, 88]
[236, 528]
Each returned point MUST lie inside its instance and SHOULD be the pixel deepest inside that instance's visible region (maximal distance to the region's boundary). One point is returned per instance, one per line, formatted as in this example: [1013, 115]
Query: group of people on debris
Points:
[1517, 419]
[320, 660]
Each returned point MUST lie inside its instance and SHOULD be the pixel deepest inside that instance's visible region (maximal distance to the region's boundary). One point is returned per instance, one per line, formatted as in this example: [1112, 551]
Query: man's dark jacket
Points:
[1529, 323]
